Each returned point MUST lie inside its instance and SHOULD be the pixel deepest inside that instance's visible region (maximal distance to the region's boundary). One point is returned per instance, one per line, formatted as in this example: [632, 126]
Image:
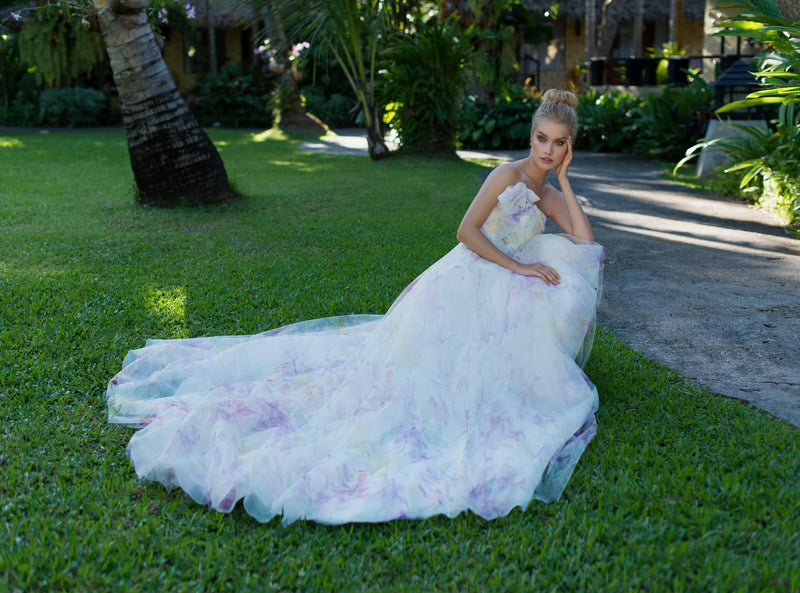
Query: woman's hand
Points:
[561, 169]
[546, 273]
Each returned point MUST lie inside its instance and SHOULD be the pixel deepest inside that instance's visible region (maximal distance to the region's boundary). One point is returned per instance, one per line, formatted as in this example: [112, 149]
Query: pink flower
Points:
[298, 49]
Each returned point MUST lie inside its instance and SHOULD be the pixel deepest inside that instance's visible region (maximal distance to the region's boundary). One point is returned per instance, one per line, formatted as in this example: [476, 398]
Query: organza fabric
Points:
[467, 394]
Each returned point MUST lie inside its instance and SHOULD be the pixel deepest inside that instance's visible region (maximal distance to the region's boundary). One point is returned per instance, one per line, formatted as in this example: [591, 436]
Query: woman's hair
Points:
[558, 106]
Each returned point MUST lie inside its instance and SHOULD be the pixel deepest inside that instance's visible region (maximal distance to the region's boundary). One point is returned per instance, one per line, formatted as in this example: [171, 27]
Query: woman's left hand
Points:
[561, 169]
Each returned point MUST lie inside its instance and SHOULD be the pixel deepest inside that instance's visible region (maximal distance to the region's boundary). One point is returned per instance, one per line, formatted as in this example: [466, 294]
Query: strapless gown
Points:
[467, 394]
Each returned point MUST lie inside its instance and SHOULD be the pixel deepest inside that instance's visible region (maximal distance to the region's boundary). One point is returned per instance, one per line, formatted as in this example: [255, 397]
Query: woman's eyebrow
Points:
[545, 135]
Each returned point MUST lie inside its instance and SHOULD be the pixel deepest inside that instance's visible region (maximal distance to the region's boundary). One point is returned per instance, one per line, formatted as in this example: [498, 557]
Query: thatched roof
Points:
[653, 9]
[227, 13]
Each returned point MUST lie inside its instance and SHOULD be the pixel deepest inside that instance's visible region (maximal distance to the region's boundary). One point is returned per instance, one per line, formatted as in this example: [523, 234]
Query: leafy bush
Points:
[336, 111]
[506, 124]
[768, 165]
[20, 113]
[666, 120]
[73, 107]
[658, 124]
[234, 98]
[23, 93]
[769, 160]
[327, 92]
[425, 80]
[608, 121]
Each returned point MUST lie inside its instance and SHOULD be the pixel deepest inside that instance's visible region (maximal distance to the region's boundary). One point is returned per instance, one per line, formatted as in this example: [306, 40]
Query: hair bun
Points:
[559, 96]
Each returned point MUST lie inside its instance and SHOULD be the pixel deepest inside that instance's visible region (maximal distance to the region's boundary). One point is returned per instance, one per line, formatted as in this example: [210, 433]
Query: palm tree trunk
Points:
[212, 40]
[173, 160]
[376, 145]
[638, 29]
[609, 25]
[675, 22]
[591, 29]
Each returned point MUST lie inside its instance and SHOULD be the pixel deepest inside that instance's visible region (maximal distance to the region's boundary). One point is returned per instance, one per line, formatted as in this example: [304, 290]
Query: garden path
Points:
[704, 285]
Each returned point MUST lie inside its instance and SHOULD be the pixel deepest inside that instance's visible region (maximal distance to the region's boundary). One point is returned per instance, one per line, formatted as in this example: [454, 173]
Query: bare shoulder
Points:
[505, 173]
[551, 202]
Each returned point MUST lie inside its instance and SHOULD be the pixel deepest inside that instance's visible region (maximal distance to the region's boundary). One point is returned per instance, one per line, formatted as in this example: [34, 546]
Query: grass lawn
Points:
[682, 490]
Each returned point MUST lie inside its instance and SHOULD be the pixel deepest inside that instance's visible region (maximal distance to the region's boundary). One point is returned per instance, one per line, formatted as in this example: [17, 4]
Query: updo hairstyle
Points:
[558, 106]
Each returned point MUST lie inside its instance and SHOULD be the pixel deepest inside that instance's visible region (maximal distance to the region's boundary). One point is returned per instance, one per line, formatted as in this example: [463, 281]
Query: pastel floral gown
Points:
[467, 394]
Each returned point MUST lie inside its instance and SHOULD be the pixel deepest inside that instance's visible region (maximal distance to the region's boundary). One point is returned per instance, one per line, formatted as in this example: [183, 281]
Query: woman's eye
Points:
[541, 139]
[560, 143]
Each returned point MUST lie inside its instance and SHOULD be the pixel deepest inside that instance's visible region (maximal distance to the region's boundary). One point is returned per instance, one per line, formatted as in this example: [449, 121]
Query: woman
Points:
[466, 395]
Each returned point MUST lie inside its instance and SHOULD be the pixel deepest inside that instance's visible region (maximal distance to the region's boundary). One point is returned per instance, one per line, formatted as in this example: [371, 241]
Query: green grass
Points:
[682, 490]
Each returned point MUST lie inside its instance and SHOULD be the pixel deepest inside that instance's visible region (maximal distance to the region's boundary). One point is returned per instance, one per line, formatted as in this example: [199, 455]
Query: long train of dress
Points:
[467, 394]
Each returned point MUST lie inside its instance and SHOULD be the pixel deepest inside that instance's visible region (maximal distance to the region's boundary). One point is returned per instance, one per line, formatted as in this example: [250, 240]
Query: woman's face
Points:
[549, 143]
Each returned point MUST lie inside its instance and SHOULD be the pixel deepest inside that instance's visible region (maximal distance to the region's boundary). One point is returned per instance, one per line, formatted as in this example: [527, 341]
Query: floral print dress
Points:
[467, 394]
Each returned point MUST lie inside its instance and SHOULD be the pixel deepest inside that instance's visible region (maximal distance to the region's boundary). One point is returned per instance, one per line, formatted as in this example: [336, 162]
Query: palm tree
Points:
[353, 31]
[172, 158]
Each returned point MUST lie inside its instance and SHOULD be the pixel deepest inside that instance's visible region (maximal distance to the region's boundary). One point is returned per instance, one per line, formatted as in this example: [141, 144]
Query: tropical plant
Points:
[353, 32]
[768, 160]
[666, 121]
[767, 163]
[779, 67]
[425, 80]
[13, 75]
[336, 110]
[233, 98]
[73, 107]
[607, 121]
[506, 124]
[492, 63]
[57, 46]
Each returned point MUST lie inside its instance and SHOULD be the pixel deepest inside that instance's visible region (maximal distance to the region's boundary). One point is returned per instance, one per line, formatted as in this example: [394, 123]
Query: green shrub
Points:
[23, 107]
[424, 81]
[665, 121]
[506, 124]
[234, 98]
[20, 113]
[327, 92]
[608, 121]
[336, 111]
[72, 107]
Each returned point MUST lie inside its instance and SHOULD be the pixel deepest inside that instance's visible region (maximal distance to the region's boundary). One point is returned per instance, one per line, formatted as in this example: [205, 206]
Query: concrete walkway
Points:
[704, 285]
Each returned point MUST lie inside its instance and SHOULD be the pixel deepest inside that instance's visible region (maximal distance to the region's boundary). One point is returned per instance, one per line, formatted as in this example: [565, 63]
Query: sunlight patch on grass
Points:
[168, 305]
[10, 143]
[271, 134]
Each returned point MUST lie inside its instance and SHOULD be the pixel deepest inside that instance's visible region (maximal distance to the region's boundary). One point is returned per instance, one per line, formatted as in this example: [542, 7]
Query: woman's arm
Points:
[470, 234]
[569, 214]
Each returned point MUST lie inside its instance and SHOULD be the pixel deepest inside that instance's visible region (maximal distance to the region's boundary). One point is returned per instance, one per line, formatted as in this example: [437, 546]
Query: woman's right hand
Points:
[546, 273]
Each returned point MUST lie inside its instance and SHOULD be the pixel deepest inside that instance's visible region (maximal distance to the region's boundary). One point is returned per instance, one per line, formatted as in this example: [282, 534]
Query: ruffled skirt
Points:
[467, 394]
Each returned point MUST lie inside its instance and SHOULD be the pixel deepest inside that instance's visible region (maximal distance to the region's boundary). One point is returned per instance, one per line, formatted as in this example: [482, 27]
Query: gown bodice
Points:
[515, 219]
